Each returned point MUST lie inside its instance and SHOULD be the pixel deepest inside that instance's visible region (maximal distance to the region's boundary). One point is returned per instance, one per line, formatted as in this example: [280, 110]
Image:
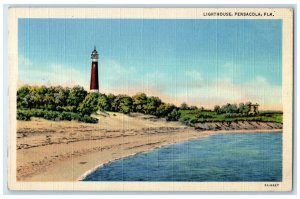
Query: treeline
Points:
[140, 103]
[233, 110]
[52, 103]
[58, 103]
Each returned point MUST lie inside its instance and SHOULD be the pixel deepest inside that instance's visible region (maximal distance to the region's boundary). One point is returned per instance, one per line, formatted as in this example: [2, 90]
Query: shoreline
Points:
[69, 151]
[212, 133]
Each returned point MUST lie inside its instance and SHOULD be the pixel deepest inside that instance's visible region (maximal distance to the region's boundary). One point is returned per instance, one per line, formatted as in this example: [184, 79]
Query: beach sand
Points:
[69, 150]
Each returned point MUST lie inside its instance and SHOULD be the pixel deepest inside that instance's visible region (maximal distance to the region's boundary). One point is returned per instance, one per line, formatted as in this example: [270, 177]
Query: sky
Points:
[202, 62]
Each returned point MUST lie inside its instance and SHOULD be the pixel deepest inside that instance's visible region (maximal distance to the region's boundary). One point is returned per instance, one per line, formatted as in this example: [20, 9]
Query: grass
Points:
[195, 116]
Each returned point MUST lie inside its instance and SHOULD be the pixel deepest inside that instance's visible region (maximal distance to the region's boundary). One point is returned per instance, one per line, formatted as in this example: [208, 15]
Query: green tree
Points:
[139, 101]
[234, 108]
[184, 106]
[247, 107]
[217, 109]
[152, 104]
[48, 99]
[40, 94]
[111, 98]
[60, 97]
[116, 102]
[173, 116]
[89, 105]
[103, 103]
[164, 109]
[229, 108]
[23, 97]
[76, 96]
[125, 104]
[243, 108]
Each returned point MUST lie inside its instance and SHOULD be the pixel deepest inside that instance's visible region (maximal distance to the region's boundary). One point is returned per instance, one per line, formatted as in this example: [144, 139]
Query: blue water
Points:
[228, 157]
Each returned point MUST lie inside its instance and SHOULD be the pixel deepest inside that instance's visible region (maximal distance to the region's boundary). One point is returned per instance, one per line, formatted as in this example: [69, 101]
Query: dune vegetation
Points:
[59, 103]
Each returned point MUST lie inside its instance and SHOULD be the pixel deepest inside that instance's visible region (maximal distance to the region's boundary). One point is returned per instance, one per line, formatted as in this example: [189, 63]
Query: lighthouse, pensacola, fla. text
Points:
[94, 85]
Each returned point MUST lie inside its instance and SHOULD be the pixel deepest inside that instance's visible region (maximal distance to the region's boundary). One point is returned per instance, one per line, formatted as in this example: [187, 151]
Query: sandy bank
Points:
[66, 151]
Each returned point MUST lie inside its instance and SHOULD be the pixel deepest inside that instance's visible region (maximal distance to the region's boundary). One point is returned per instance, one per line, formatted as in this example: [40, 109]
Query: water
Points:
[228, 157]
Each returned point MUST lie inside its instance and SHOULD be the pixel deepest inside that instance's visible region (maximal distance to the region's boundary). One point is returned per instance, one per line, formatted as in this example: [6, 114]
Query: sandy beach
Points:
[69, 150]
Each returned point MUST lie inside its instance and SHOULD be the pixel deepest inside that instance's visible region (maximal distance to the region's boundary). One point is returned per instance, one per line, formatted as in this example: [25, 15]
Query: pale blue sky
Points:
[202, 62]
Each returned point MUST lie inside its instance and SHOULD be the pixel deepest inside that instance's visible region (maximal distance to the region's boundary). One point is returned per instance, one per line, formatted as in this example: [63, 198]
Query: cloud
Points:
[221, 91]
[119, 79]
[262, 91]
[195, 75]
[114, 77]
[54, 74]
[113, 70]
[193, 88]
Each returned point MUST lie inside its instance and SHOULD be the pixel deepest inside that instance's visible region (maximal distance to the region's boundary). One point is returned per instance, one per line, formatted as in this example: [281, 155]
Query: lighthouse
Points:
[94, 86]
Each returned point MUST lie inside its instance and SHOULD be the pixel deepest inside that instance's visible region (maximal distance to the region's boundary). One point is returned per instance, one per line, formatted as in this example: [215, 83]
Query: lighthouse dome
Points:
[94, 54]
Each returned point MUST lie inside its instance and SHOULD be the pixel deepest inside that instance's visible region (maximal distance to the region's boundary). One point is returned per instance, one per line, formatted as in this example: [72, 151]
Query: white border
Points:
[283, 14]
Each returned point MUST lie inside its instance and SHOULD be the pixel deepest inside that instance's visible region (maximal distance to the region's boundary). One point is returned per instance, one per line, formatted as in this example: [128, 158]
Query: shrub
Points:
[103, 103]
[75, 116]
[152, 104]
[53, 115]
[164, 109]
[89, 105]
[37, 112]
[65, 116]
[88, 119]
[139, 101]
[76, 96]
[204, 115]
[23, 115]
[184, 106]
[68, 108]
[173, 116]
[184, 119]
[124, 104]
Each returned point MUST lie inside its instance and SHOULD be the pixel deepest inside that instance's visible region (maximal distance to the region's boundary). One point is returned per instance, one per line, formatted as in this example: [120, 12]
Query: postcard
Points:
[150, 99]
